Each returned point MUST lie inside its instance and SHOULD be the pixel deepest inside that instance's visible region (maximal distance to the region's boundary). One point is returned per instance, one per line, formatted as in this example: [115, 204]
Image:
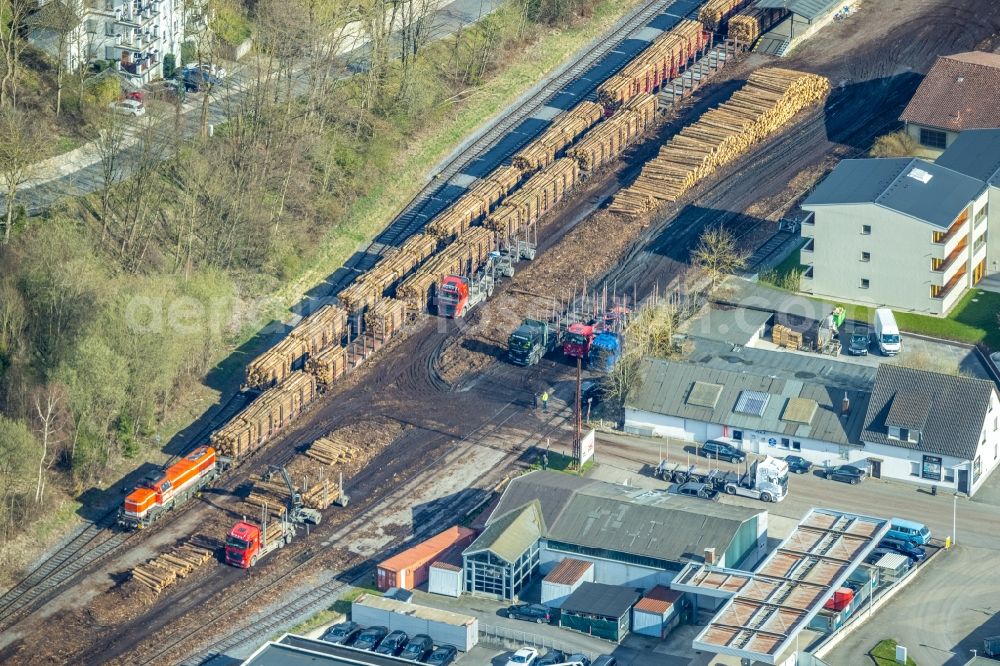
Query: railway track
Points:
[325, 594]
[433, 198]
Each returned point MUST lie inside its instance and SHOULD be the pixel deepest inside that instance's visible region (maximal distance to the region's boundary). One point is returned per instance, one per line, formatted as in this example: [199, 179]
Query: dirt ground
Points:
[422, 390]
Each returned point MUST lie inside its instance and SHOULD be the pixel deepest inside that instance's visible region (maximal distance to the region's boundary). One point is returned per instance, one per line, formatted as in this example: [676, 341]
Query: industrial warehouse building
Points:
[899, 232]
[900, 423]
[545, 517]
[959, 93]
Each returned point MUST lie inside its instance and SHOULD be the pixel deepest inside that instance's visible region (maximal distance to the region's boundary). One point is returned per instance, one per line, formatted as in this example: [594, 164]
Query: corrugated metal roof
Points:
[599, 599]
[665, 383]
[658, 600]
[511, 534]
[959, 403]
[568, 571]
[431, 548]
[414, 610]
[892, 561]
[976, 153]
[893, 183]
[807, 9]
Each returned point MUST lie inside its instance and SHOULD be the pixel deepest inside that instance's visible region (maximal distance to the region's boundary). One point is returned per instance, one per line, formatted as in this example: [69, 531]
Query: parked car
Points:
[578, 659]
[531, 612]
[393, 644]
[877, 554]
[846, 473]
[911, 550]
[694, 489]
[418, 648]
[551, 658]
[344, 633]
[798, 464]
[370, 638]
[604, 660]
[196, 79]
[524, 657]
[861, 339]
[909, 530]
[722, 451]
[592, 392]
[128, 107]
[217, 71]
[443, 655]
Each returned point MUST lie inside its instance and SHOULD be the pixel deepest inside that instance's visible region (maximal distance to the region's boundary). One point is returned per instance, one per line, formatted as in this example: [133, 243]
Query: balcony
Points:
[807, 274]
[946, 241]
[943, 270]
[810, 246]
[943, 293]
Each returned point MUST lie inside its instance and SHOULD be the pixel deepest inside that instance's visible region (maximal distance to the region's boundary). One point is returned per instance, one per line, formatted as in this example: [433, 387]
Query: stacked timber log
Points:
[603, 144]
[566, 129]
[534, 198]
[323, 328]
[263, 417]
[330, 450]
[770, 98]
[164, 570]
[399, 262]
[661, 61]
[328, 366]
[715, 12]
[386, 317]
[750, 23]
[460, 257]
[358, 295]
[474, 204]
[322, 494]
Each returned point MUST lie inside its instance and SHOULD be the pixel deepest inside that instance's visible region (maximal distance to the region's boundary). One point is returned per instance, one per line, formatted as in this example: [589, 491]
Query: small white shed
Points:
[563, 580]
[658, 612]
[445, 578]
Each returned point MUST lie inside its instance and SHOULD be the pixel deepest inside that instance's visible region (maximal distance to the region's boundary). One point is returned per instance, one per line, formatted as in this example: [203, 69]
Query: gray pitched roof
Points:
[976, 153]
[955, 409]
[600, 599]
[512, 533]
[807, 9]
[639, 522]
[895, 184]
[665, 386]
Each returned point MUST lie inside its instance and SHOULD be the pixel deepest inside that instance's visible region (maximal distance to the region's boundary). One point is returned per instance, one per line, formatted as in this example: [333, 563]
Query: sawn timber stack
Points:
[770, 98]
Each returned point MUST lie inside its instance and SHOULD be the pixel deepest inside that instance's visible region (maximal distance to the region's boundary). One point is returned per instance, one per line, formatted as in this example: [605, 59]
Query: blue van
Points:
[908, 530]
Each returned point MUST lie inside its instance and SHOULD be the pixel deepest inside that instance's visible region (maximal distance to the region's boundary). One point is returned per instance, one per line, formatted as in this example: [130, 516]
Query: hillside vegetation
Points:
[113, 307]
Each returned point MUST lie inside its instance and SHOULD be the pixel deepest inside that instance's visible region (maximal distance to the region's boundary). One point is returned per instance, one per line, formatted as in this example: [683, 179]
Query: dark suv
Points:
[342, 634]
[531, 612]
[846, 473]
[393, 643]
[418, 649]
[722, 451]
[370, 638]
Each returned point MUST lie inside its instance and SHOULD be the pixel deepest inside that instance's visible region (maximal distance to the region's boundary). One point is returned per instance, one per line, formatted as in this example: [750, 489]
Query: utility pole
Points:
[578, 429]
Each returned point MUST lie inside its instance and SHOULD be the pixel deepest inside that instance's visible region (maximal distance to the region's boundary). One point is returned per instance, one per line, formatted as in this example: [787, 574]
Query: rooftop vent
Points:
[921, 175]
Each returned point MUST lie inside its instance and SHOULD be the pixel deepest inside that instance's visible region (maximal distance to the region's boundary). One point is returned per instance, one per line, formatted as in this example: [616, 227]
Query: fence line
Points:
[512, 639]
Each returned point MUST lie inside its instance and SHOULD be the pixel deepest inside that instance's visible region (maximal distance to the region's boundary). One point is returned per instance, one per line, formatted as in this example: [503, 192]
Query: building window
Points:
[907, 435]
[738, 435]
[981, 215]
[92, 26]
[109, 53]
[785, 443]
[977, 469]
[796, 446]
[914, 469]
[866, 230]
[949, 475]
[865, 283]
[931, 469]
[933, 138]
[109, 29]
[866, 256]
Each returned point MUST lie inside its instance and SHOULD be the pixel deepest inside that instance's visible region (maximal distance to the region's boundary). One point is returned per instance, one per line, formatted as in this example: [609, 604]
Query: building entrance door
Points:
[963, 481]
[876, 467]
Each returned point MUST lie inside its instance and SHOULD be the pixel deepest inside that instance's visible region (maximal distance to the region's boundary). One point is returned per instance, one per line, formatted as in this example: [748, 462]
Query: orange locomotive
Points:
[164, 489]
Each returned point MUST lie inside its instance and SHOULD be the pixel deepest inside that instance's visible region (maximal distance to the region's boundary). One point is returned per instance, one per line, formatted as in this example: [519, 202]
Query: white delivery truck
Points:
[887, 333]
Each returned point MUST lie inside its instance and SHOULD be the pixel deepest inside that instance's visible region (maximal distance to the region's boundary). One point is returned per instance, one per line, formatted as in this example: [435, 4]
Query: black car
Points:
[694, 489]
[721, 451]
[393, 644]
[860, 341]
[877, 554]
[846, 473]
[531, 612]
[551, 657]
[604, 660]
[443, 655]
[342, 634]
[578, 658]
[419, 647]
[798, 464]
[370, 638]
[592, 393]
[912, 551]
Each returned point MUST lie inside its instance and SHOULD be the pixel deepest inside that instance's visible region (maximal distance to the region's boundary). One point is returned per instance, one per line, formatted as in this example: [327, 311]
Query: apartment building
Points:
[900, 232]
[135, 34]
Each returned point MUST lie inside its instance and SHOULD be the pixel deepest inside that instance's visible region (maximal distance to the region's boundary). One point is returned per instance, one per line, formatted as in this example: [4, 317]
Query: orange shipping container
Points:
[409, 569]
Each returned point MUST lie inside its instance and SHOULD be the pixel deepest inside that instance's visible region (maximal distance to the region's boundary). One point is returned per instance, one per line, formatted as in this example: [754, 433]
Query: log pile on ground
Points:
[715, 12]
[770, 98]
[474, 204]
[542, 191]
[566, 129]
[609, 140]
[331, 450]
[750, 23]
[164, 570]
[661, 61]
[461, 257]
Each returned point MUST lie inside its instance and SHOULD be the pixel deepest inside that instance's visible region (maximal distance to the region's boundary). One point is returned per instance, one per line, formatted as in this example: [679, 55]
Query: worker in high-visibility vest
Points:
[545, 401]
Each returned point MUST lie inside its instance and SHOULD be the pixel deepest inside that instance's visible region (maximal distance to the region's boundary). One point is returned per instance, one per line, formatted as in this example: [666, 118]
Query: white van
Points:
[887, 333]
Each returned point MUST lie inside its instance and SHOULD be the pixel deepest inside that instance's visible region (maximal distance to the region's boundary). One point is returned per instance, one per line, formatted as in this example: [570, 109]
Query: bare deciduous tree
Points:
[13, 14]
[718, 255]
[21, 147]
